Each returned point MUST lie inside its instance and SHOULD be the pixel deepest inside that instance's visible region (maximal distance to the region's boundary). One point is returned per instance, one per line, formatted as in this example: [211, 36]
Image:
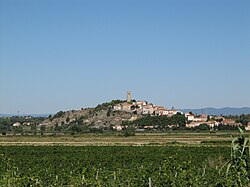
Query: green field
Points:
[152, 159]
[113, 166]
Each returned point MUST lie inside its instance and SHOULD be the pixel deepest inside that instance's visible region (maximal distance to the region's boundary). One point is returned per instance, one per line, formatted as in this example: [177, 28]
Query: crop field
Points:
[113, 165]
[154, 160]
[222, 138]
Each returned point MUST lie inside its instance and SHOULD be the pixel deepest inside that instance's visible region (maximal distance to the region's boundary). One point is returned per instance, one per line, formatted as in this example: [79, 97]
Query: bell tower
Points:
[129, 96]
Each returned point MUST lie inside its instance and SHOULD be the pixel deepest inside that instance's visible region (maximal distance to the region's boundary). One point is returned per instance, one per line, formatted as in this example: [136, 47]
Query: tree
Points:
[34, 128]
[203, 127]
[208, 118]
[129, 131]
[57, 128]
[178, 119]
[109, 112]
[3, 133]
[42, 129]
[77, 128]
[59, 114]
[67, 119]
[3, 127]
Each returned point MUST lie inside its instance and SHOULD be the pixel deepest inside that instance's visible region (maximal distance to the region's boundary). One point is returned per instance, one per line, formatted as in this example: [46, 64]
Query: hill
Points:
[100, 116]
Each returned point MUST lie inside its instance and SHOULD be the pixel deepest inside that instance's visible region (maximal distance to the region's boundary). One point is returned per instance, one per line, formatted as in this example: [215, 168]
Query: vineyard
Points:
[114, 166]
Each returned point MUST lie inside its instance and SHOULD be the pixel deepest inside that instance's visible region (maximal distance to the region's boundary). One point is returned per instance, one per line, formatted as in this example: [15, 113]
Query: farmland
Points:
[119, 140]
[112, 166]
[173, 159]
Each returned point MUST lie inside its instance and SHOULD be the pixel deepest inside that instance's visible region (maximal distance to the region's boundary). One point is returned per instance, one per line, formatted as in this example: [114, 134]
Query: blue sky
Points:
[67, 54]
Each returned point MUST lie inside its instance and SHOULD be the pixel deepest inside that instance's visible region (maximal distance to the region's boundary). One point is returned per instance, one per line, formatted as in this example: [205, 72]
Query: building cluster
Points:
[145, 108]
[211, 121]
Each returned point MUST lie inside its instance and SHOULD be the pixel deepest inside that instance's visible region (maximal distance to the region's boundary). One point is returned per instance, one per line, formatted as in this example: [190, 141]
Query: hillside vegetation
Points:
[100, 117]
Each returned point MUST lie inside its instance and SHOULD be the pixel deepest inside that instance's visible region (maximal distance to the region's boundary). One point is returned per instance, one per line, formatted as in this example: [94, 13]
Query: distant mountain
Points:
[33, 115]
[219, 111]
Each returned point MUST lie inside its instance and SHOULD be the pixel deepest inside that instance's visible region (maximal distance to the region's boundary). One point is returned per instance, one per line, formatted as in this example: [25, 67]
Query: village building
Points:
[230, 122]
[126, 106]
[117, 107]
[26, 123]
[203, 117]
[171, 112]
[143, 108]
[149, 127]
[17, 124]
[248, 126]
[190, 117]
[193, 124]
[211, 123]
[220, 118]
[140, 104]
[148, 109]
[159, 110]
[118, 127]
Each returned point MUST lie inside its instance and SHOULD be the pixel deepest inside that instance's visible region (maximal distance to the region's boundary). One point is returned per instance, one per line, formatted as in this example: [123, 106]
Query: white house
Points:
[17, 124]
[117, 127]
[190, 117]
[202, 117]
[118, 107]
[248, 127]
[171, 112]
[144, 103]
[148, 109]
[160, 110]
[193, 124]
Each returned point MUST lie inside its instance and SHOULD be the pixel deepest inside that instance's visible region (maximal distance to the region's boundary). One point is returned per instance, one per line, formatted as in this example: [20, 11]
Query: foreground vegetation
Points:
[125, 166]
[113, 166]
[207, 160]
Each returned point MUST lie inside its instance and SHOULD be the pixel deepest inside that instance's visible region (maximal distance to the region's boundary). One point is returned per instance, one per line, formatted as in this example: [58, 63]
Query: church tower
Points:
[129, 96]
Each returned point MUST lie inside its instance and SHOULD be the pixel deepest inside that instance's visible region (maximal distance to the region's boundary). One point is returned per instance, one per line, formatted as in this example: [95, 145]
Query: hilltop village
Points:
[143, 108]
[119, 115]
[192, 121]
